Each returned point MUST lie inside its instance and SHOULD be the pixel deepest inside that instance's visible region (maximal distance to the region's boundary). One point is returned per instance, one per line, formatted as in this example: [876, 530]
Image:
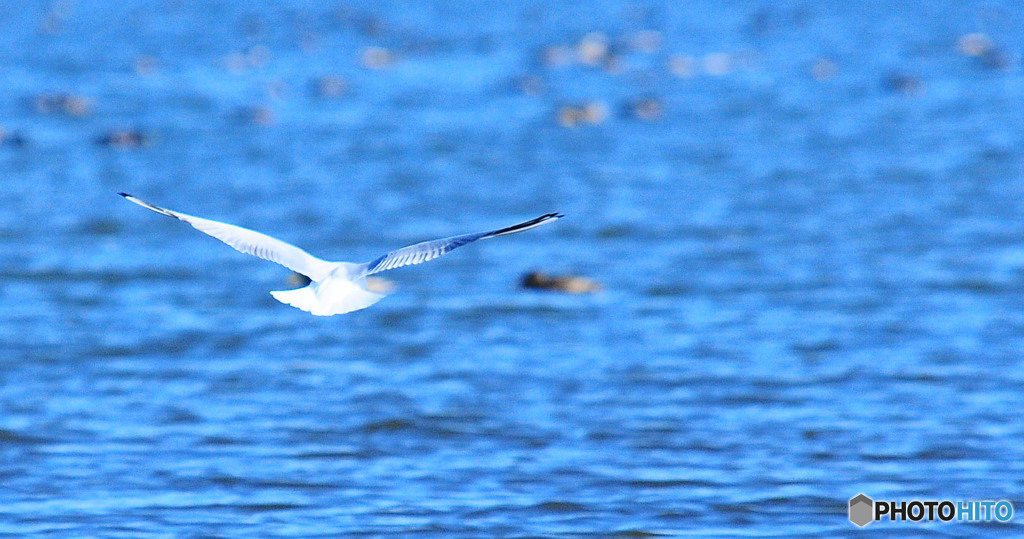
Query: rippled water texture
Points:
[806, 219]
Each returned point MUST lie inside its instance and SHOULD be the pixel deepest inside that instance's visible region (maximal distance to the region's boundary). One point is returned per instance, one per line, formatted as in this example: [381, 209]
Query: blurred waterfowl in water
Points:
[904, 83]
[252, 58]
[569, 284]
[824, 69]
[329, 87]
[647, 109]
[682, 66]
[12, 138]
[255, 115]
[593, 49]
[377, 58]
[591, 113]
[123, 138]
[645, 41]
[145, 65]
[982, 47]
[63, 103]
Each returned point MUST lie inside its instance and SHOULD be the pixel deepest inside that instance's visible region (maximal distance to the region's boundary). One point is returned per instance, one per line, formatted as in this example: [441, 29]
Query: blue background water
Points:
[813, 262]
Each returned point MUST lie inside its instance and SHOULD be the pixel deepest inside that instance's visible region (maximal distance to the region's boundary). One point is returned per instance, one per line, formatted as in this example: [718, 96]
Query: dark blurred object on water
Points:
[570, 284]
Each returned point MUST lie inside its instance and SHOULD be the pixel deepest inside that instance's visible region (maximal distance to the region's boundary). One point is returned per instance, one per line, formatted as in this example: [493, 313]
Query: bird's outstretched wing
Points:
[429, 250]
[251, 242]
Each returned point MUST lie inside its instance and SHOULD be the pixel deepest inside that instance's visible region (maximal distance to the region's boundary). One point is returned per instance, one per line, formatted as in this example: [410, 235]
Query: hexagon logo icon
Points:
[862, 510]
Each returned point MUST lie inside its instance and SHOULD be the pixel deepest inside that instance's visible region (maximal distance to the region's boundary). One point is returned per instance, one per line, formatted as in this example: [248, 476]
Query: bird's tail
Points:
[335, 300]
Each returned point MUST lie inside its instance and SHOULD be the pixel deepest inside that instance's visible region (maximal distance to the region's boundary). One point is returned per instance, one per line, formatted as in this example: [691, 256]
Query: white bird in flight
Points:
[335, 287]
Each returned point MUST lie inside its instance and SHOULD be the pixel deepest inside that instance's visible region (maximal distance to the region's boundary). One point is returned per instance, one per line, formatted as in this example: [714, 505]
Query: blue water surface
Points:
[807, 219]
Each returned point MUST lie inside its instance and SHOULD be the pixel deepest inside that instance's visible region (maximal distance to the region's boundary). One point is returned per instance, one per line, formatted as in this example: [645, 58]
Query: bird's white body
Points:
[335, 287]
[343, 290]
